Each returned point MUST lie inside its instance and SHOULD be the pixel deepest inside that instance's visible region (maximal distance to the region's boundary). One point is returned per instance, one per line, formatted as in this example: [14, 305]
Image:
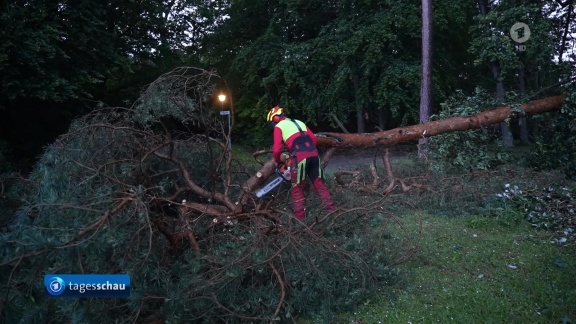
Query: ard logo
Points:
[520, 33]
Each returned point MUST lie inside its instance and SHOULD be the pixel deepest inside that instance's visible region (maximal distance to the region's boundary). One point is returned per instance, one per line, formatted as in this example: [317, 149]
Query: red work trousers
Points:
[310, 169]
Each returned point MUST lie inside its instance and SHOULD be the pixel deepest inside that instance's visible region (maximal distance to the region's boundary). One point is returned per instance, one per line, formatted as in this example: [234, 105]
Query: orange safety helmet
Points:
[275, 114]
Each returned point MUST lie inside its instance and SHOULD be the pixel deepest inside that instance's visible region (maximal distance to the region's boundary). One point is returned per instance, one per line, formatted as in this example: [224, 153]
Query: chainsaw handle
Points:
[281, 169]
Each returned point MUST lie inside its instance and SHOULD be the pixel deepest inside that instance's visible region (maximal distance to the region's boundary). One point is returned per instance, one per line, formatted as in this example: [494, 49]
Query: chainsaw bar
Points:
[269, 187]
[283, 176]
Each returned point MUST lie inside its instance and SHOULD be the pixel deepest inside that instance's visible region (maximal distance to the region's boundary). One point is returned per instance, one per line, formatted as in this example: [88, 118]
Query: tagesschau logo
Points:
[87, 285]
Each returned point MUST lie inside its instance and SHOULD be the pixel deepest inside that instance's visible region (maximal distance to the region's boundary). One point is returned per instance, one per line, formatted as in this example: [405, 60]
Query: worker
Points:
[301, 142]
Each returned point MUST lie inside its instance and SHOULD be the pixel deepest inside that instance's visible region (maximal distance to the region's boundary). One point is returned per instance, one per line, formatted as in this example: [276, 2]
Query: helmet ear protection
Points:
[275, 115]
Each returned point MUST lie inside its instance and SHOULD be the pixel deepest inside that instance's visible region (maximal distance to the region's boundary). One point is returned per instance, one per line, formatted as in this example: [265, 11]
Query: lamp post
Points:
[222, 98]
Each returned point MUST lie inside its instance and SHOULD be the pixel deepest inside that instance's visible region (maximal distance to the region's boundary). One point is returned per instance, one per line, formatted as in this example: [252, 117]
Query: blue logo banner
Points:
[87, 285]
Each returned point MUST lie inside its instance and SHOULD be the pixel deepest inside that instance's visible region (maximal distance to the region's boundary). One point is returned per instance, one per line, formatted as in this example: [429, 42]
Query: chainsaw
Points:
[283, 171]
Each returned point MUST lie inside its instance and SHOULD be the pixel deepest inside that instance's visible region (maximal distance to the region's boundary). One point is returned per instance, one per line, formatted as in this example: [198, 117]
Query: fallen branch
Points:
[256, 181]
[338, 123]
[375, 180]
[410, 248]
[219, 197]
[393, 180]
[325, 158]
[104, 217]
[356, 179]
[256, 154]
[9, 286]
[189, 207]
[176, 239]
[190, 236]
[282, 289]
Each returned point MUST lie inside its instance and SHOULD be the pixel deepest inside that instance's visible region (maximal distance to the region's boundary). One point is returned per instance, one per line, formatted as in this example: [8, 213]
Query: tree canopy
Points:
[59, 59]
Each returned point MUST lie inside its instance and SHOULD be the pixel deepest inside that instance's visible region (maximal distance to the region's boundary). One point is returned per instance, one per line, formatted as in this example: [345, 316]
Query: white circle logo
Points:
[520, 32]
[56, 286]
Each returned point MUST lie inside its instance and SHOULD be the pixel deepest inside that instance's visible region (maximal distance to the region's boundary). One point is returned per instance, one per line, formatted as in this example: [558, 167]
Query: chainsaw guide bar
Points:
[283, 176]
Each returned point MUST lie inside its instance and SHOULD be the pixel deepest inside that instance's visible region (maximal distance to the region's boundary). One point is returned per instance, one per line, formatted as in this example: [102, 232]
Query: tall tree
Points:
[53, 50]
[59, 58]
[426, 83]
[567, 24]
[344, 57]
[523, 120]
[495, 68]
[514, 66]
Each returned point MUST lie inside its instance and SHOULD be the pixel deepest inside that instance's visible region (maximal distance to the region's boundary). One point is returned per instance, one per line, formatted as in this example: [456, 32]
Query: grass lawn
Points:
[475, 270]
[477, 261]
[475, 265]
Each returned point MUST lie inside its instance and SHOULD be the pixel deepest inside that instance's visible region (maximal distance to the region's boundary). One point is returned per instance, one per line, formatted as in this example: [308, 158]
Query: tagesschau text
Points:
[87, 285]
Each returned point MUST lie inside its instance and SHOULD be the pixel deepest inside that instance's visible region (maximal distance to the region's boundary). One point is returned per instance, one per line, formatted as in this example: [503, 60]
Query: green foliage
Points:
[54, 52]
[107, 197]
[488, 274]
[334, 272]
[555, 145]
[317, 58]
[479, 257]
[59, 60]
[12, 185]
[549, 208]
[491, 44]
[476, 149]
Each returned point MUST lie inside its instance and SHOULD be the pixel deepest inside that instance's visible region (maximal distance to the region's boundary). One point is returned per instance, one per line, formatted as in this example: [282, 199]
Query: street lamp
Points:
[222, 98]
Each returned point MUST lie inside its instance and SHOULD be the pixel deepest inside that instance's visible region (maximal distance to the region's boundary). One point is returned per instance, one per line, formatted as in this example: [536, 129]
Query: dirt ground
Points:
[362, 158]
[348, 162]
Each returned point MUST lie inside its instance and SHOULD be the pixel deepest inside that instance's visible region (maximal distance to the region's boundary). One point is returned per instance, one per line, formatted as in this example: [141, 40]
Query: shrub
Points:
[549, 208]
[477, 149]
[555, 147]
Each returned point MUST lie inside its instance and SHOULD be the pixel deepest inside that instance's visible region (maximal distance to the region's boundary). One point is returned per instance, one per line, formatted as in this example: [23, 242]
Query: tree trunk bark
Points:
[504, 127]
[454, 124]
[484, 8]
[382, 118]
[426, 80]
[360, 118]
[338, 123]
[523, 120]
[566, 29]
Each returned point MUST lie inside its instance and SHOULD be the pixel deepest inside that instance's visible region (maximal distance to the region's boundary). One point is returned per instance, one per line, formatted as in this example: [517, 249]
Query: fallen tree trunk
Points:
[454, 124]
[406, 134]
